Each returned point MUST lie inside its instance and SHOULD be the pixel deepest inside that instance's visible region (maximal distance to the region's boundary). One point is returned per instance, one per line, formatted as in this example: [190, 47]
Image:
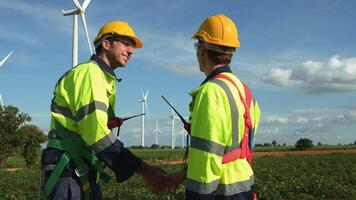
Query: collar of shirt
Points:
[102, 65]
[217, 71]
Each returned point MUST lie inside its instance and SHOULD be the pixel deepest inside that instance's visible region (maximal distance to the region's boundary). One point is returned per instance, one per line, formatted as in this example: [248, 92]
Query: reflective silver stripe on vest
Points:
[89, 108]
[201, 188]
[62, 110]
[207, 145]
[220, 189]
[234, 114]
[104, 142]
[235, 188]
[72, 135]
[81, 113]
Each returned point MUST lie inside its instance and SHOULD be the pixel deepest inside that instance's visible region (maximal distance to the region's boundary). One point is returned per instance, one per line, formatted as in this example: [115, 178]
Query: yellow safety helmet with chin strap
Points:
[218, 30]
[119, 28]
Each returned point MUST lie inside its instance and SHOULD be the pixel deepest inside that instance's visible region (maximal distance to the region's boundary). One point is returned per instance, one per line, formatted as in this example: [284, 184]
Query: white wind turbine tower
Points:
[156, 131]
[80, 10]
[144, 104]
[182, 133]
[1, 63]
[173, 117]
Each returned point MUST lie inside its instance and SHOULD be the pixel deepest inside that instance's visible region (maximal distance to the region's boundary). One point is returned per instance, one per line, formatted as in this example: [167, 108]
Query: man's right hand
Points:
[154, 177]
[187, 127]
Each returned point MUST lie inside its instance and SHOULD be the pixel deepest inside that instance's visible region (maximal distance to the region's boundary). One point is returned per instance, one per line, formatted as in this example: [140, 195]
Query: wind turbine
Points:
[182, 131]
[80, 10]
[173, 117]
[156, 131]
[144, 104]
[1, 63]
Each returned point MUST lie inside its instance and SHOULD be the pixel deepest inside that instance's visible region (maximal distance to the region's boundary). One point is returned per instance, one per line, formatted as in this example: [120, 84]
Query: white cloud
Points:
[333, 76]
[317, 124]
[170, 51]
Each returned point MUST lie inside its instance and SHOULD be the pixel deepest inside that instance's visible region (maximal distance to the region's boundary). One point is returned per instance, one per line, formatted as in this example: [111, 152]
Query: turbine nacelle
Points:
[71, 12]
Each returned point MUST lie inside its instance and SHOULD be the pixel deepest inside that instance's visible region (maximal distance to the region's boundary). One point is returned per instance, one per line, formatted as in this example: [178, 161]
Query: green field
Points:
[290, 177]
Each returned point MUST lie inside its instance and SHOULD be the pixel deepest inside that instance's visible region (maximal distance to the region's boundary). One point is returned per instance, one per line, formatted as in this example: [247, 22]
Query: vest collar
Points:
[217, 71]
[103, 66]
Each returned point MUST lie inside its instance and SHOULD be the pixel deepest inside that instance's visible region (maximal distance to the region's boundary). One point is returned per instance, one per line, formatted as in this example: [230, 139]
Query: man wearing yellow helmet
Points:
[224, 118]
[80, 142]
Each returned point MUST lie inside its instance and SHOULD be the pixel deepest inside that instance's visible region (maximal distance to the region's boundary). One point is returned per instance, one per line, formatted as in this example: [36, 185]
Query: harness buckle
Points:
[81, 170]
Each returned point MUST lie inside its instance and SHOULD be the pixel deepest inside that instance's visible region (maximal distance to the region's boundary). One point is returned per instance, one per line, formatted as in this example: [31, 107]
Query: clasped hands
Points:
[159, 180]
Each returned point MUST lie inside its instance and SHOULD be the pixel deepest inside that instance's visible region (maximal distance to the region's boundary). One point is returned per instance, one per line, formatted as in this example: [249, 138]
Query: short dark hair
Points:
[219, 58]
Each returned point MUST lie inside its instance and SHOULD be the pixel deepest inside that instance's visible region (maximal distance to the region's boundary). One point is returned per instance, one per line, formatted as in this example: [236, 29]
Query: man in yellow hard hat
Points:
[80, 142]
[224, 118]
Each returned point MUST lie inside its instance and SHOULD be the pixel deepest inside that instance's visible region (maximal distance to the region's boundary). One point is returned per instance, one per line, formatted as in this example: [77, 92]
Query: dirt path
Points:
[12, 169]
[282, 153]
[309, 152]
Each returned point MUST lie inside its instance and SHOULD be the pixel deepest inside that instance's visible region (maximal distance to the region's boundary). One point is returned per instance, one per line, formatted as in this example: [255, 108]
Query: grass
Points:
[306, 177]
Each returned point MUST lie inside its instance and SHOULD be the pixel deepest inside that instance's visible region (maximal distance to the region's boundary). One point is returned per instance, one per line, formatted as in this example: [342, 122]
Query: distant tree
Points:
[32, 138]
[10, 120]
[274, 143]
[267, 144]
[154, 146]
[355, 142]
[319, 144]
[304, 144]
[284, 144]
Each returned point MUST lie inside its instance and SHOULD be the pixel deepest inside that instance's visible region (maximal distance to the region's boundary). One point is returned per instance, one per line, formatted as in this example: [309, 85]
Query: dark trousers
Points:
[67, 188]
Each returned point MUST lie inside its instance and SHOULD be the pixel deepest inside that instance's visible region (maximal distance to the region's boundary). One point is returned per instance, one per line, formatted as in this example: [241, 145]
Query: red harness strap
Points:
[244, 150]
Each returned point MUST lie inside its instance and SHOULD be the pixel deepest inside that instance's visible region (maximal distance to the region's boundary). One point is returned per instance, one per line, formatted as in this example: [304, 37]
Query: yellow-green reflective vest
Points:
[217, 127]
[85, 92]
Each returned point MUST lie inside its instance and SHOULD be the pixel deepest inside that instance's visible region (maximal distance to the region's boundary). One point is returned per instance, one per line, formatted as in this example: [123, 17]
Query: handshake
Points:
[159, 180]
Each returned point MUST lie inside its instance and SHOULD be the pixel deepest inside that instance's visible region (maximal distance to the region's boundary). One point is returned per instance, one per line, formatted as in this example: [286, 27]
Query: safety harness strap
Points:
[73, 149]
[243, 151]
[56, 173]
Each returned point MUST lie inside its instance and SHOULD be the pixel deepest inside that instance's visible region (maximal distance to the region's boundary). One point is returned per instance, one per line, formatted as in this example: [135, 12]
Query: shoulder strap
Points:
[245, 101]
[245, 150]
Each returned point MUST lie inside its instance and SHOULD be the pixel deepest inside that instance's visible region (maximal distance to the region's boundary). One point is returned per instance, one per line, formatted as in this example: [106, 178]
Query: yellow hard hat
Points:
[119, 28]
[218, 30]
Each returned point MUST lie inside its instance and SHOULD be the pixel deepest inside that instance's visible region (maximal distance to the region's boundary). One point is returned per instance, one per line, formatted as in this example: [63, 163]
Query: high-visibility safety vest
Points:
[84, 101]
[220, 148]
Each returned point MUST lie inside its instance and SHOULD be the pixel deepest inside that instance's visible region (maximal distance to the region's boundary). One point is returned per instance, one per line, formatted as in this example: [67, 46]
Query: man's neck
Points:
[105, 59]
[211, 68]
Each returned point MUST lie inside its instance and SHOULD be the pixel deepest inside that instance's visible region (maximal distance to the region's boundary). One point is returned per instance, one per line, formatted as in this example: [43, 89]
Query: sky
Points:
[297, 56]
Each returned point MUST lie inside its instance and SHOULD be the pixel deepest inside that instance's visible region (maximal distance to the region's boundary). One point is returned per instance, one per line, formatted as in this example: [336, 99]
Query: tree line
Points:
[17, 136]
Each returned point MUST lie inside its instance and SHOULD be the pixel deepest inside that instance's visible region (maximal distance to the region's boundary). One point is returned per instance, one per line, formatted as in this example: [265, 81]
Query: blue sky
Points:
[297, 56]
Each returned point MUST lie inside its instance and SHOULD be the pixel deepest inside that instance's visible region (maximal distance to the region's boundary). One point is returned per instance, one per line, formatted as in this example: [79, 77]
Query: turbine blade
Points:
[85, 4]
[4, 60]
[76, 2]
[147, 93]
[143, 96]
[1, 102]
[86, 31]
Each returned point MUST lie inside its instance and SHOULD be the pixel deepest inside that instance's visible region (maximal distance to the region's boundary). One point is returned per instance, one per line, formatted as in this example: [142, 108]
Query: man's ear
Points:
[106, 44]
[202, 51]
